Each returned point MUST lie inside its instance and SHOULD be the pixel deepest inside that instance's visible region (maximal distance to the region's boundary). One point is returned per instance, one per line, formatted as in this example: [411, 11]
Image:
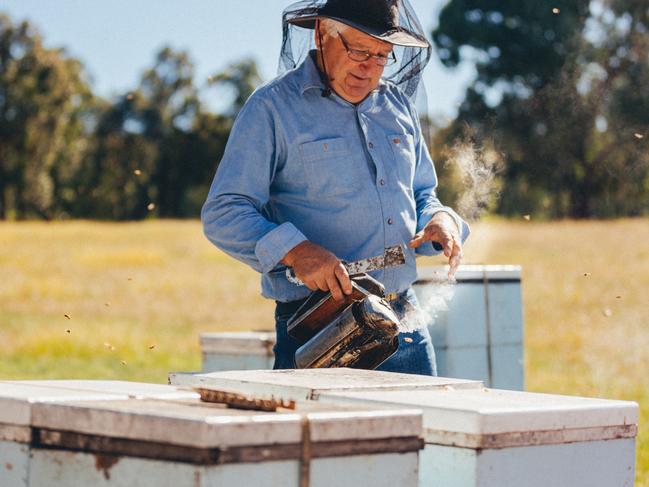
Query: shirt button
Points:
[390, 221]
[382, 182]
[371, 145]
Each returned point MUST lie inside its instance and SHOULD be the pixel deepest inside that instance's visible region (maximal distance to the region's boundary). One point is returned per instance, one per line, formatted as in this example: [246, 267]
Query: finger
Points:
[311, 284]
[334, 288]
[455, 259]
[454, 264]
[343, 278]
[417, 240]
[321, 283]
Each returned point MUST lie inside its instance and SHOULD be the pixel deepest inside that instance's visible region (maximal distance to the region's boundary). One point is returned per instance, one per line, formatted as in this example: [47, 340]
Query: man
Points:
[327, 162]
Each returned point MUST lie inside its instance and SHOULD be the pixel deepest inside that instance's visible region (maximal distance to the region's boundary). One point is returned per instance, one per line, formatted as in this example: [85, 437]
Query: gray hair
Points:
[332, 27]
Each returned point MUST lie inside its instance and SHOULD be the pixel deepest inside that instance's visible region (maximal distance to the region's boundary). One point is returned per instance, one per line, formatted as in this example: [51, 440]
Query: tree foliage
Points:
[240, 77]
[65, 152]
[557, 92]
[44, 102]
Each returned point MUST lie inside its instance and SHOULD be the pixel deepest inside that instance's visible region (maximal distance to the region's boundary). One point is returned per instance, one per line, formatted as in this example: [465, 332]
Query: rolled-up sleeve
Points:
[424, 187]
[232, 214]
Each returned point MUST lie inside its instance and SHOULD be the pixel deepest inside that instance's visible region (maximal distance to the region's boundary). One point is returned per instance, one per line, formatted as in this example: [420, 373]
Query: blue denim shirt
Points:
[354, 179]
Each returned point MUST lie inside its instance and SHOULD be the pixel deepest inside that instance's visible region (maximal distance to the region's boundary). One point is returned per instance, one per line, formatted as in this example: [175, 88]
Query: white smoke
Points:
[477, 167]
[434, 298]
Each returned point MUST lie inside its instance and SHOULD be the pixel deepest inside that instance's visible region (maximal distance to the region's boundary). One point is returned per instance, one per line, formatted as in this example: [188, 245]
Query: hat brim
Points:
[396, 37]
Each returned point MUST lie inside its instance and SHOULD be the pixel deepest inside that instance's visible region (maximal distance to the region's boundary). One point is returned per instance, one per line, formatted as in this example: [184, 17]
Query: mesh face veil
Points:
[392, 21]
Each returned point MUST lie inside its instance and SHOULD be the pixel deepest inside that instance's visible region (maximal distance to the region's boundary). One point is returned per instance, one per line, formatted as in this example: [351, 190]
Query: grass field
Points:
[127, 301]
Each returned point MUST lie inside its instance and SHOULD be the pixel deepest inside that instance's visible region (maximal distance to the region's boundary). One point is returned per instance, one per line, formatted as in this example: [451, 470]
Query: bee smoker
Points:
[361, 332]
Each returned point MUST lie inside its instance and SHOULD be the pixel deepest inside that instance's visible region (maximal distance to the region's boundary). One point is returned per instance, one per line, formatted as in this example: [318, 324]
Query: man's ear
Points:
[317, 34]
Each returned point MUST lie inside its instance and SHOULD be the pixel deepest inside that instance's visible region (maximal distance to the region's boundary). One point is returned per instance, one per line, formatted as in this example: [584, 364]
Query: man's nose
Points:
[369, 65]
[364, 66]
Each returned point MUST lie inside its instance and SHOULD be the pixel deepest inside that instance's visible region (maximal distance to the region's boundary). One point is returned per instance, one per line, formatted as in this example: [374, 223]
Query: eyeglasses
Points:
[363, 56]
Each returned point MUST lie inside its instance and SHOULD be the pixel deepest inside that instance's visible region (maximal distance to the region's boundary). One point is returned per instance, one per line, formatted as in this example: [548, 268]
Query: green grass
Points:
[132, 286]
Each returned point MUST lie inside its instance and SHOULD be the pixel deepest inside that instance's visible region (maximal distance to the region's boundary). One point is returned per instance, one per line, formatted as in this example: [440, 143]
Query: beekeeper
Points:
[327, 162]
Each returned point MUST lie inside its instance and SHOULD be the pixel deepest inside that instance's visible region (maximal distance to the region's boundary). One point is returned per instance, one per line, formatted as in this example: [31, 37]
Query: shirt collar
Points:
[310, 77]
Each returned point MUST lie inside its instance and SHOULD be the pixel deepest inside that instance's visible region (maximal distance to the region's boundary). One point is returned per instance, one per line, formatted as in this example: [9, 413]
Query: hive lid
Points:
[17, 399]
[492, 418]
[134, 390]
[193, 424]
[309, 383]
[249, 343]
[472, 273]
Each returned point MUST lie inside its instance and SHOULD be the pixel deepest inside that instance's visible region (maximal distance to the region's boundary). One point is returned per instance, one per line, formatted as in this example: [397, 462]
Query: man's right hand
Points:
[318, 268]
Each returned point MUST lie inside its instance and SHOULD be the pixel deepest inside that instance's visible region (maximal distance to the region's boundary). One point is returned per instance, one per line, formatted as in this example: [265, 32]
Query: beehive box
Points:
[237, 350]
[17, 399]
[66, 437]
[479, 437]
[493, 438]
[477, 327]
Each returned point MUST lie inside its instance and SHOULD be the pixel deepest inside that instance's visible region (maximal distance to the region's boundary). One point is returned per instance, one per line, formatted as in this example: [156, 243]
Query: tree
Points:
[64, 152]
[115, 181]
[157, 145]
[170, 105]
[141, 161]
[546, 94]
[242, 78]
[44, 102]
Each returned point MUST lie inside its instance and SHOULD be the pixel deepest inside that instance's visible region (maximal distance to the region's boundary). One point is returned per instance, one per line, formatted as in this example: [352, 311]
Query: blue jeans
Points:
[415, 355]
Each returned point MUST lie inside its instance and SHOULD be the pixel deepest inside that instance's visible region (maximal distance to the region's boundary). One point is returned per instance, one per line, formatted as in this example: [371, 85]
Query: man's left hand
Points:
[442, 229]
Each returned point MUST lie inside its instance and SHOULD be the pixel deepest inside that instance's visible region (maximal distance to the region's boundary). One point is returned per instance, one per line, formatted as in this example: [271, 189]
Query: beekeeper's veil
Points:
[392, 21]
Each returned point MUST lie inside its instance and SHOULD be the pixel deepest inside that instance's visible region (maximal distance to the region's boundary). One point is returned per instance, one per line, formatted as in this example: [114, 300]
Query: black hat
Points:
[377, 18]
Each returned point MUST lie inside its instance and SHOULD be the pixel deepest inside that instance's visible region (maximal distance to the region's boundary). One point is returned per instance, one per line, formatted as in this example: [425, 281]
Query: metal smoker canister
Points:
[362, 337]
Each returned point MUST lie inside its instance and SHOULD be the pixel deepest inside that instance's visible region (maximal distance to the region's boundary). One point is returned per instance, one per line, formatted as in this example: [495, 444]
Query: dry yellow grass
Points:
[126, 287]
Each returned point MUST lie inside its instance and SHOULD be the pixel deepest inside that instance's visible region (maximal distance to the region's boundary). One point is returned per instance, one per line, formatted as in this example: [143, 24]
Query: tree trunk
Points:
[580, 194]
[3, 207]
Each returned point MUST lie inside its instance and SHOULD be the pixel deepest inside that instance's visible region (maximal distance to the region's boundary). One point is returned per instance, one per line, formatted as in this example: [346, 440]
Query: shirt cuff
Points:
[273, 246]
[428, 248]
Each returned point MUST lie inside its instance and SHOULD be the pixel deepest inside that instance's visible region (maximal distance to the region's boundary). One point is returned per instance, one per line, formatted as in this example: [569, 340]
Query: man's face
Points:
[352, 80]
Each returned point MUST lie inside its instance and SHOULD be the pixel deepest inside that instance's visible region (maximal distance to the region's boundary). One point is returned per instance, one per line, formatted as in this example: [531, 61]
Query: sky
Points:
[117, 40]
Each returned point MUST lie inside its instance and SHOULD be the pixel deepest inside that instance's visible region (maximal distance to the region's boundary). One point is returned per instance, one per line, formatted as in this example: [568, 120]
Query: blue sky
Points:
[117, 39]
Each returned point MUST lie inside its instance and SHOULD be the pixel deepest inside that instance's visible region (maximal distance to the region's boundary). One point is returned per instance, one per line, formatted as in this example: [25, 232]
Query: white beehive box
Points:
[237, 350]
[478, 323]
[494, 438]
[141, 438]
[17, 400]
[477, 437]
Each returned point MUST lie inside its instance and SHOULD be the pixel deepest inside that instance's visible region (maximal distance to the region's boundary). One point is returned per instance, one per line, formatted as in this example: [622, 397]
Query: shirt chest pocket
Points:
[329, 168]
[403, 168]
